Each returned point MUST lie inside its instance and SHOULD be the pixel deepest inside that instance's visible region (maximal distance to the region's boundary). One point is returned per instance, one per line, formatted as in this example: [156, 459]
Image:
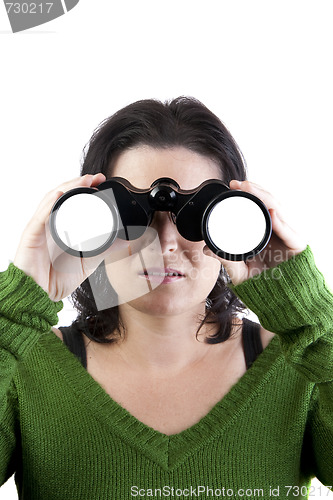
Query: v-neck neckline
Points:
[166, 450]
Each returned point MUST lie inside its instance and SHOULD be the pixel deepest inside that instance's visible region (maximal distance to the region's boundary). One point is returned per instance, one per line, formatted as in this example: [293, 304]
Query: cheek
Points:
[235, 270]
[128, 260]
[210, 270]
[124, 278]
[204, 268]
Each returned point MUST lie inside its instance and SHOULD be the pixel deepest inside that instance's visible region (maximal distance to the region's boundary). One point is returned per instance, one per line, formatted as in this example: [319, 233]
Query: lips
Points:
[166, 275]
[154, 271]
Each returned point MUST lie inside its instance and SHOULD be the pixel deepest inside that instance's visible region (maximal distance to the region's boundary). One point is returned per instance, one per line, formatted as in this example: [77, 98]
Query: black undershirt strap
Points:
[252, 344]
[73, 338]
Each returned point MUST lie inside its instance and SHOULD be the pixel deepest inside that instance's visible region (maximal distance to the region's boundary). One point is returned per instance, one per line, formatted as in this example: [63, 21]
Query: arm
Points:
[30, 298]
[26, 312]
[293, 301]
[287, 292]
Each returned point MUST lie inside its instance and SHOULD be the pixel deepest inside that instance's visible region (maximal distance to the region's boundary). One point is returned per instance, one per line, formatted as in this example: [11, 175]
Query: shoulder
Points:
[57, 332]
[266, 336]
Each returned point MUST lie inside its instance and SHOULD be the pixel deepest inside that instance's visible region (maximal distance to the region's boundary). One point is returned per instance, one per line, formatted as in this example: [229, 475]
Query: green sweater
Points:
[66, 439]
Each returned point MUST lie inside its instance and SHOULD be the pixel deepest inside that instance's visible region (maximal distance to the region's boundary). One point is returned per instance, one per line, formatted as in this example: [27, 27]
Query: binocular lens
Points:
[84, 223]
[236, 226]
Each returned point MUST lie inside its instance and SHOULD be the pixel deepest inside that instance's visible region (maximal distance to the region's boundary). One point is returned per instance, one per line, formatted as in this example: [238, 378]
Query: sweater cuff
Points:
[288, 296]
[294, 301]
[26, 311]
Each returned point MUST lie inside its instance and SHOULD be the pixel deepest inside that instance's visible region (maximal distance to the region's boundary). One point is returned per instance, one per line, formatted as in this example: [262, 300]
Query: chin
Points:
[157, 307]
[159, 303]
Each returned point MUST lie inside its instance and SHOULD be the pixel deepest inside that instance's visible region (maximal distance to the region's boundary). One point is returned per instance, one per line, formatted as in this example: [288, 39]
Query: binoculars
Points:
[235, 225]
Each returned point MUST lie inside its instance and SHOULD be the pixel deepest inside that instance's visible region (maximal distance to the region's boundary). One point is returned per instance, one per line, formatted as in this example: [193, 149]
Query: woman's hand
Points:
[283, 244]
[36, 251]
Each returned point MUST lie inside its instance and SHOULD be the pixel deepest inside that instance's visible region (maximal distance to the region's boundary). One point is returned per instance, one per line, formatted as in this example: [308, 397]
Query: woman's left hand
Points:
[283, 244]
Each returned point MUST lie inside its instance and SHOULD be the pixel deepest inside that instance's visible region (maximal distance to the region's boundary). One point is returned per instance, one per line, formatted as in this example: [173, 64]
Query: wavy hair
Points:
[184, 122]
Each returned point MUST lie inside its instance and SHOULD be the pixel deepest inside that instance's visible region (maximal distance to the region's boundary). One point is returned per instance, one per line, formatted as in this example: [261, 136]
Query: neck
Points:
[158, 343]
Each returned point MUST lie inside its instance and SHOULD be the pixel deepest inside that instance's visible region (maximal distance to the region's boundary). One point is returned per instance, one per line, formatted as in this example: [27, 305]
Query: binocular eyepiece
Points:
[235, 225]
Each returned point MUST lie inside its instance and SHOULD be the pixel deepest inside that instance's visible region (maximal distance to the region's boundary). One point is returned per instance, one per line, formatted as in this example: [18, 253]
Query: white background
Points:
[265, 68]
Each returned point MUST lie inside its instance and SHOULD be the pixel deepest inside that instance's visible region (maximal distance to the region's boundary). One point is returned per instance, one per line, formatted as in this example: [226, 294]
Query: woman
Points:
[168, 393]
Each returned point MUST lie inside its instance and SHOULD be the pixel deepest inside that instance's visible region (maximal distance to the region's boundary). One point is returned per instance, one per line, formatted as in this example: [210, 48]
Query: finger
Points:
[36, 224]
[287, 235]
[246, 185]
[252, 188]
[87, 180]
[84, 181]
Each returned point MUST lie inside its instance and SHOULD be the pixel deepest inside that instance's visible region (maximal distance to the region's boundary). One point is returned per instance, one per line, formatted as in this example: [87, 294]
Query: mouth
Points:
[162, 276]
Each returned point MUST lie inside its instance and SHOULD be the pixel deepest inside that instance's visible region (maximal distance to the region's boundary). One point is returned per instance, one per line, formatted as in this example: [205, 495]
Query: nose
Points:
[163, 223]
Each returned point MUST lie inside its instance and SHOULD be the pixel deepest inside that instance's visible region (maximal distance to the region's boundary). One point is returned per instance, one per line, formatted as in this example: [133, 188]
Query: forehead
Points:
[142, 165]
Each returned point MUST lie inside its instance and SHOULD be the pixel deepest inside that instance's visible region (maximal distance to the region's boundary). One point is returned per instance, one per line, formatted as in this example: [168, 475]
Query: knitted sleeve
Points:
[26, 312]
[293, 301]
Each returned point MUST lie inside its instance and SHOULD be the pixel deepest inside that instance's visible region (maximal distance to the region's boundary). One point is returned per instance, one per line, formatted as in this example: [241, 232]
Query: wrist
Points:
[26, 312]
[288, 295]
[21, 297]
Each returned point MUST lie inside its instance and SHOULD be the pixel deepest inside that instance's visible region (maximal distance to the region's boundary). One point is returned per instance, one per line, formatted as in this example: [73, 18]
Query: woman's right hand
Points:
[33, 254]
